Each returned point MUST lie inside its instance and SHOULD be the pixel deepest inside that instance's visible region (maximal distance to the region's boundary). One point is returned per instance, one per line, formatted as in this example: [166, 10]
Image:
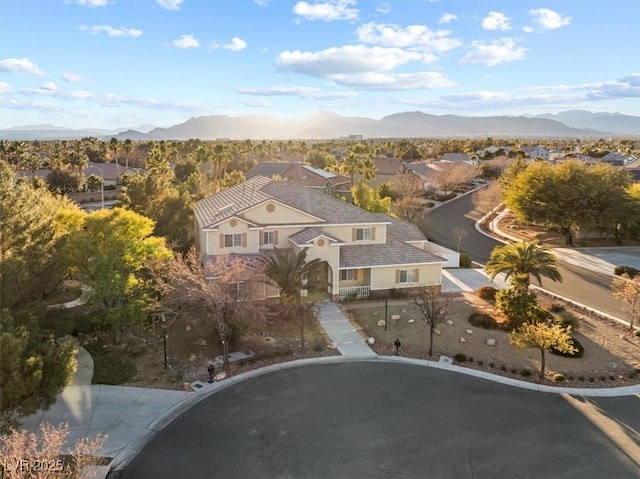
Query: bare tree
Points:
[434, 306]
[223, 294]
[487, 198]
[627, 289]
[459, 234]
[449, 175]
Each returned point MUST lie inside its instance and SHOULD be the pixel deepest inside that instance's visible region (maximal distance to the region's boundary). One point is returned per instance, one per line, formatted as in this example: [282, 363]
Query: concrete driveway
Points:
[375, 419]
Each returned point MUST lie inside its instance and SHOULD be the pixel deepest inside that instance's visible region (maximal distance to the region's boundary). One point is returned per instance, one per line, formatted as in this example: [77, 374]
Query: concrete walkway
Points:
[342, 332]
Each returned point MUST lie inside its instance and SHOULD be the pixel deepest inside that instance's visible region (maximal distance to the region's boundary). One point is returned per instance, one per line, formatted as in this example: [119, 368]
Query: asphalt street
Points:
[381, 419]
[580, 284]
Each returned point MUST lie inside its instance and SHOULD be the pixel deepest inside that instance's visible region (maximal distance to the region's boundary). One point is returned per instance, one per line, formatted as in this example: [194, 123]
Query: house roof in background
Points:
[392, 252]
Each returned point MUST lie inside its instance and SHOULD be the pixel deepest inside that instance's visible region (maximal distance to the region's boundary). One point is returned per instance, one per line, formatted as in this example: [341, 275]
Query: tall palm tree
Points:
[292, 273]
[522, 260]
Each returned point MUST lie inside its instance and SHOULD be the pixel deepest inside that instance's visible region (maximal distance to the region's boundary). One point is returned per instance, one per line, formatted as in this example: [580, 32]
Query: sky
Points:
[125, 63]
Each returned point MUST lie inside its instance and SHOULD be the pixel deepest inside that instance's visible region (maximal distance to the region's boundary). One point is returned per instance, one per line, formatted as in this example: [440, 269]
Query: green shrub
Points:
[525, 372]
[567, 318]
[484, 321]
[110, 367]
[557, 307]
[558, 377]
[630, 270]
[429, 204]
[491, 365]
[514, 371]
[486, 292]
[465, 261]
[592, 380]
[577, 354]
[503, 368]
[460, 357]
[480, 363]
[580, 378]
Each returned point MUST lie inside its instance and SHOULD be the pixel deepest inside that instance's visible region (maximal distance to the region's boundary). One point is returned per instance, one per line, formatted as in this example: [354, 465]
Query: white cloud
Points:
[70, 77]
[328, 10]
[235, 45]
[300, 91]
[383, 8]
[50, 89]
[170, 4]
[496, 21]
[93, 3]
[349, 59]
[447, 18]
[495, 52]
[49, 86]
[111, 31]
[186, 41]
[262, 3]
[418, 36]
[549, 19]
[112, 100]
[20, 65]
[257, 103]
[394, 81]
[5, 88]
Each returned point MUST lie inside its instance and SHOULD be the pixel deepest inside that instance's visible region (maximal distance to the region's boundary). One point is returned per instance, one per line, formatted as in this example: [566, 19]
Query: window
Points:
[363, 234]
[233, 241]
[407, 276]
[267, 237]
[348, 275]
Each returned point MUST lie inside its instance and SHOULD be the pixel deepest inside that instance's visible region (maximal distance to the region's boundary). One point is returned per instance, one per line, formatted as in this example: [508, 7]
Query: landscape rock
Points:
[449, 322]
[187, 327]
[220, 376]
[404, 310]
[469, 331]
[201, 342]
[437, 332]
[395, 317]
[462, 340]
[380, 323]
[491, 342]
[332, 346]
[371, 341]
[192, 357]
[411, 321]
[186, 386]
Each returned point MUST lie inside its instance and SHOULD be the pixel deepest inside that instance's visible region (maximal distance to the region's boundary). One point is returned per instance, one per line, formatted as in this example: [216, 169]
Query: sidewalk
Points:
[342, 332]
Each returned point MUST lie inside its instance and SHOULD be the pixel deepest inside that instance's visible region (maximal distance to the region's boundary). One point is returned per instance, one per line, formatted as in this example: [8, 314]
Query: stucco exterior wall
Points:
[345, 233]
[385, 277]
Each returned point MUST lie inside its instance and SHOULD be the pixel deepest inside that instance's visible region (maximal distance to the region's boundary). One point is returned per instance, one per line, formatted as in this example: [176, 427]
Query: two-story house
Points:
[365, 253]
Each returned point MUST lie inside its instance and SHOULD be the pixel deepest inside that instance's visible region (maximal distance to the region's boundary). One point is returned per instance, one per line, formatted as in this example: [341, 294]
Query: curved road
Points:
[580, 284]
[390, 420]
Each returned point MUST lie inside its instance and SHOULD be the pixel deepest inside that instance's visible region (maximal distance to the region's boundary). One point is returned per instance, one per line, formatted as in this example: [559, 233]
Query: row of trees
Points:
[573, 197]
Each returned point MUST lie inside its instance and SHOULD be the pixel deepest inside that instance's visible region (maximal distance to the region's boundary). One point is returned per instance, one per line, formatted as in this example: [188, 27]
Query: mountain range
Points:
[327, 125]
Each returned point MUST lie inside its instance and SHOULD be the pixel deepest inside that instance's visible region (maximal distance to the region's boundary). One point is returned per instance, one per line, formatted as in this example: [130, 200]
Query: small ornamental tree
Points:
[545, 336]
[48, 447]
[434, 307]
[518, 306]
[627, 289]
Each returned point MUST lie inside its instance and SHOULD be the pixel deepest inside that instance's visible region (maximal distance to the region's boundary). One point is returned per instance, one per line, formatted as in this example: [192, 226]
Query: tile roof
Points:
[268, 169]
[331, 210]
[307, 235]
[233, 201]
[402, 230]
[386, 254]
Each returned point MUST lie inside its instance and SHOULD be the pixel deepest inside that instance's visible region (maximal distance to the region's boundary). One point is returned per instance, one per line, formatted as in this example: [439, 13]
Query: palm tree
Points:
[522, 260]
[293, 274]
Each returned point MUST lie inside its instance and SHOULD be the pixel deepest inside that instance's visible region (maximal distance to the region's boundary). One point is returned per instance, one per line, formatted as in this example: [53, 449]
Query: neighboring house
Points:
[618, 159]
[316, 179]
[426, 172]
[111, 173]
[366, 253]
[536, 152]
[456, 158]
[386, 169]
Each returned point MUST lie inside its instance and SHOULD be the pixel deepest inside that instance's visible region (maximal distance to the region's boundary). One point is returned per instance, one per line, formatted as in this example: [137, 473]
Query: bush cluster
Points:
[460, 357]
[577, 354]
[484, 321]
[465, 261]
[630, 270]
[487, 292]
